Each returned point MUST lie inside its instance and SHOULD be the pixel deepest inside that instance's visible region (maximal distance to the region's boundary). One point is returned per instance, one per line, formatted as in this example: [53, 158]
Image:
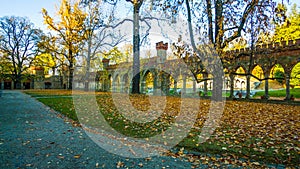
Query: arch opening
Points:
[256, 81]
[277, 74]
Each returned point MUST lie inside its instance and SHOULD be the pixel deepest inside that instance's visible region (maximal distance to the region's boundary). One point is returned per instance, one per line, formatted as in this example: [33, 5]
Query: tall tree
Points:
[137, 40]
[18, 43]
[99, 37]
[70, 30]
[136, 45]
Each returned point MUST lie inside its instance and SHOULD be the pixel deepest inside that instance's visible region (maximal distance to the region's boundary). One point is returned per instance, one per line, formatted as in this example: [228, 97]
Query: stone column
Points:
[114, 86]
[248, 87]
[12, 85]
[143, 87]
[175, 86]
[155, 84]
[266, 86]
[165, 83]
[122, 86]
[287, 84]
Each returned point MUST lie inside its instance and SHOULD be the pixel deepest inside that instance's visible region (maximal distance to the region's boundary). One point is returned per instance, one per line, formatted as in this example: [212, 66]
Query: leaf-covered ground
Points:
[258, 133]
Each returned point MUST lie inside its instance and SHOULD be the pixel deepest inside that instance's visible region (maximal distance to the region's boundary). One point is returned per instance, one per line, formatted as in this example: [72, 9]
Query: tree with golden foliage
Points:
[70, 32]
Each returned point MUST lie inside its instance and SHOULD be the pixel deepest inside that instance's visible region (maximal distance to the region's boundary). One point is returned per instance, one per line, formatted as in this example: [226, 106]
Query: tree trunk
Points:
[71, 60]
[88, 65]
[218, 24]
[136, 51]
[217, 88]
[71, 73]
[231, 85]
[205, 76]
[18, 81]
[210, 21]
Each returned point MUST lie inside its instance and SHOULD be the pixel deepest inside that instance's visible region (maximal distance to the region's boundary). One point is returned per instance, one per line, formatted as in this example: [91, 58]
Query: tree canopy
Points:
[18, 45]
[288, 28]
[70, 30]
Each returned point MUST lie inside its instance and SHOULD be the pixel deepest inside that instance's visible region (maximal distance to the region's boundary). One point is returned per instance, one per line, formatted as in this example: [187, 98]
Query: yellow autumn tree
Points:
[70, 31]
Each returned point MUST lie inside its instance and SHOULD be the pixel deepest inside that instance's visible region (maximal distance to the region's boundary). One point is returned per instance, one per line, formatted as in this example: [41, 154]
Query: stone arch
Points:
[235, 69]
[279, 65]
[240, 80]
[106, 82]
[258, 74]
[226, 70]
[274, 73]
[116, 83]
[258, 71]
[226, 83]
[274, 68]
[148, 81]
[125, 83]
[295, 75]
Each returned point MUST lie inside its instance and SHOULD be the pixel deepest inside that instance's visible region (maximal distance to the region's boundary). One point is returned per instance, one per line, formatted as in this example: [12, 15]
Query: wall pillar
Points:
[122, 86]
[175, 86]
[287, 89]
[143, 86]
[266, 86]
[248, 87]
[12, 86]
[155, 84]
[114, 86]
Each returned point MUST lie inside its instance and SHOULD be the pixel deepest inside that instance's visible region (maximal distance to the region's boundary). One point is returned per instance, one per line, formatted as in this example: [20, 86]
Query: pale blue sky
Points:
[28, 8]
[32, 9]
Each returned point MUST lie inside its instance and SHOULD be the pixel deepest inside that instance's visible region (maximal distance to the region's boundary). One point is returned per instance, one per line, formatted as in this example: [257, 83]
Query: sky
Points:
[32, 9]
[28, 8]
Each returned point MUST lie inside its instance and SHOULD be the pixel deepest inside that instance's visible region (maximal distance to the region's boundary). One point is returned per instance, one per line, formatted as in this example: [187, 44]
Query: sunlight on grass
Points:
[280, 93]
[260, 131]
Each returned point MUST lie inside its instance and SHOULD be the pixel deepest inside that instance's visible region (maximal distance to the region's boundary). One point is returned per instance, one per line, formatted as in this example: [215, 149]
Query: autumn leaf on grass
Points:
[77, 156]
[120, 164]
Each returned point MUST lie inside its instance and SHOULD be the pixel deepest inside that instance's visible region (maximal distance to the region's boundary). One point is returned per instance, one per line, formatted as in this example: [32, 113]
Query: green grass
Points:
[244, 149]
[279, 93]
[64, 105]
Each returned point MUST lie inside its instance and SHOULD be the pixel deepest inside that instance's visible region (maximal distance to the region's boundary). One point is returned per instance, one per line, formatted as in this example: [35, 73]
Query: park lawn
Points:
[264, 132]
[48, 92]
[279, 93]
[63, 105]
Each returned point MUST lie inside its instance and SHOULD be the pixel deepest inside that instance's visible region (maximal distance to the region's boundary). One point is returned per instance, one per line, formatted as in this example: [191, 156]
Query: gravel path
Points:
[34, 136]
